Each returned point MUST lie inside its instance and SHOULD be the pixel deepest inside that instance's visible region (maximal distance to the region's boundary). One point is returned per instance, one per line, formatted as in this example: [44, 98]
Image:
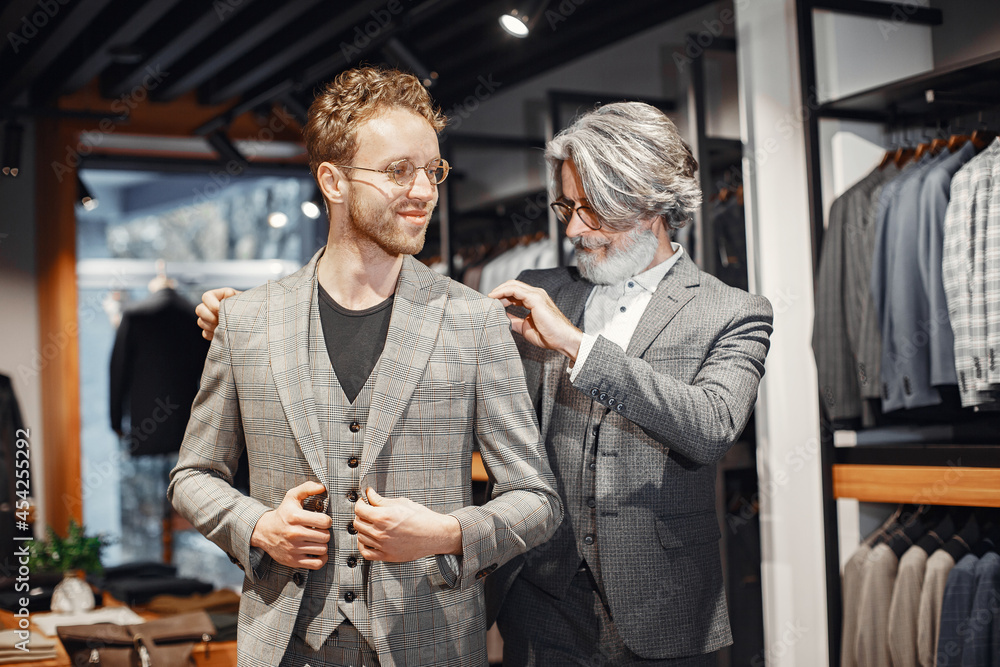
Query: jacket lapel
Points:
[417, 312]
[289, 307]
[678, 286]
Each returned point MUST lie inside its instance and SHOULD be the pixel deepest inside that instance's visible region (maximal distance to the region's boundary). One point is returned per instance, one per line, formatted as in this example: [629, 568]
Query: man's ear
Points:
[332, 183]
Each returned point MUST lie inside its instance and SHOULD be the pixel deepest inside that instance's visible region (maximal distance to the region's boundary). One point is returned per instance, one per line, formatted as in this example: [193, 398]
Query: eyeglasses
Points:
[564, 213]
[402, 172]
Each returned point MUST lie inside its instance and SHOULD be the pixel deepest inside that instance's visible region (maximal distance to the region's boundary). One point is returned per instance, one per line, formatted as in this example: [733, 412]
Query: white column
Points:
[780, 265]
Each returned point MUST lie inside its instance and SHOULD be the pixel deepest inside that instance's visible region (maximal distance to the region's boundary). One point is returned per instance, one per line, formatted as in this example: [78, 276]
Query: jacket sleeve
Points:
[201, 485]
[121, 362]
[700, 420]
[524, 510]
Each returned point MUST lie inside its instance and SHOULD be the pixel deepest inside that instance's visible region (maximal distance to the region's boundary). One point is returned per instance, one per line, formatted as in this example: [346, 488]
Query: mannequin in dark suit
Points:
[155, 369]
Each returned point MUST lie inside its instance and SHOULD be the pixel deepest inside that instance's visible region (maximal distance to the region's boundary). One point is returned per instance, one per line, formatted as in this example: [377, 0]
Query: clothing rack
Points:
[891, 470]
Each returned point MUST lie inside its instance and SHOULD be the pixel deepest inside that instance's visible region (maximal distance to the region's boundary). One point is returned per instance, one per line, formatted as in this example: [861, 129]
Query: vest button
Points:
[352, 462]
[591, 502]
[353, 496]
[352, 561]
[593, 392]
[355, 427]
[349, 596]
[593, 465]
[351, 529]
[603, 397]
[595, 429]
[297, 578]
[589, 539]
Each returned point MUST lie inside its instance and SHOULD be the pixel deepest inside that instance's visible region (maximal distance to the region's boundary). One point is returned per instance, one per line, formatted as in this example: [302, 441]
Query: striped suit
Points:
[449, 377]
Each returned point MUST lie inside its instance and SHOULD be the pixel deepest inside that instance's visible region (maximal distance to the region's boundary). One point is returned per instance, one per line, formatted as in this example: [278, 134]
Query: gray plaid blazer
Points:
[449, 377]
[687, 384]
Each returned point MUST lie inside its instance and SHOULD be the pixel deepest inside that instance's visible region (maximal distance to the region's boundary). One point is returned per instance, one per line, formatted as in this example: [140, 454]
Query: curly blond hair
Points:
[355, 96]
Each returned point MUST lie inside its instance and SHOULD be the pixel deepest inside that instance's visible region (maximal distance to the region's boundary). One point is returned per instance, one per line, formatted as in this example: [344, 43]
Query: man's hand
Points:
[545, 326]
[399, 530]
[208, 310]
[292, 535]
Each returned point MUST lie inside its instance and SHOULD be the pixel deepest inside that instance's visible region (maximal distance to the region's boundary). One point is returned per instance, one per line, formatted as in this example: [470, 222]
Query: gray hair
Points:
[633, 164]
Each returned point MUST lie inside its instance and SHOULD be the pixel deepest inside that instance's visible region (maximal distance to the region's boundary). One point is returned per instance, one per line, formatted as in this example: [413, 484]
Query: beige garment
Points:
[904, 610]
[872, 648]
[931, 595]
[851, 588]
[39, 647]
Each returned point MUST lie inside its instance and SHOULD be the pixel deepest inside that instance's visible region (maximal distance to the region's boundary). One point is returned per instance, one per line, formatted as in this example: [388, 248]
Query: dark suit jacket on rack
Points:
[10, 423]
[679, 397]
[155, 369]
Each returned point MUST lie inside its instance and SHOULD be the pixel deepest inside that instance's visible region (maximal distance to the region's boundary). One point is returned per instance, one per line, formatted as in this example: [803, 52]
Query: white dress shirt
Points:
[613, 311]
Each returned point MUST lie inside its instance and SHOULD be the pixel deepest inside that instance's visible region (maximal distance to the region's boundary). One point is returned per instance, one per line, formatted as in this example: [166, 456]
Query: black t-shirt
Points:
[354, 340]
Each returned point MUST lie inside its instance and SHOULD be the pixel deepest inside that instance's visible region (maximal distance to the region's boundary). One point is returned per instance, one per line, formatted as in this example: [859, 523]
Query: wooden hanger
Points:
[956, 141]
[937, 145]
[922, 149]
[903, 156]
[982, 138]
[887, 159]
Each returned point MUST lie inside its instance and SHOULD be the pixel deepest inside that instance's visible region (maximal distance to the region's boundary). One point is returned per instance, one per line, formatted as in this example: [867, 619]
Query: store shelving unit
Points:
[955, 464]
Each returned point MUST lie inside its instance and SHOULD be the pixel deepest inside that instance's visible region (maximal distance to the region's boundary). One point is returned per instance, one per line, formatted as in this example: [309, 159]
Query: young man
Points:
[644, 371]
[358, 387]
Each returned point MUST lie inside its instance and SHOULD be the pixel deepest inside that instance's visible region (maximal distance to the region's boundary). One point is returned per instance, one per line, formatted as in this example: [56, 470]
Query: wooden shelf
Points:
[933, 485]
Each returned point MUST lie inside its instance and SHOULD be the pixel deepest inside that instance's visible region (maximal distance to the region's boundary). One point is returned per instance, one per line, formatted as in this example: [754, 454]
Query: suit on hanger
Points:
[873, 609]
[155, 367]
[983, 626]
[939, 565]
[448, 377]
[904, 609]
[955, 608]
[633, 442]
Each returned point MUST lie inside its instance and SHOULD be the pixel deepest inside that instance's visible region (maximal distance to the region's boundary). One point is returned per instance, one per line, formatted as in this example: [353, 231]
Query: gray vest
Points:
[339, 590]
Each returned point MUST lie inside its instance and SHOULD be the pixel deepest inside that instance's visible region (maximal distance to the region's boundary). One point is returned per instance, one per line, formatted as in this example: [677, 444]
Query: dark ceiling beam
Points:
[212, 17]
[266, 62]
[91, 54]
[12, 22]
[54, 40]
[200, 65]
[593, 29]
[458, 28]
[315, 68]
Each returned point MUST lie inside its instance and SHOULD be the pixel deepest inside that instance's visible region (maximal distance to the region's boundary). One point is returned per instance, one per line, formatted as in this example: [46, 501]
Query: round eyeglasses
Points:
[403, 172]
[564, 213]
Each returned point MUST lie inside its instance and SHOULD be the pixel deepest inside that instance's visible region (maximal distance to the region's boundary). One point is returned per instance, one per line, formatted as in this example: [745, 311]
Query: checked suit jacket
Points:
[449, 377]
[683, 391]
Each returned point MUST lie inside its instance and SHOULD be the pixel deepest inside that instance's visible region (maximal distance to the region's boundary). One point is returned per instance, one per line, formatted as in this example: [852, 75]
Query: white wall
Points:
[19, 344]
[780, 266]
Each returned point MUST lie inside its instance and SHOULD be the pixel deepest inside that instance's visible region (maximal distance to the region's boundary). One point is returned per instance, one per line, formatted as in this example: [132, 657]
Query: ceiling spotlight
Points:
[310, 209]
[12, 148]
[225, 148]
[519, 21]
[277, 219]
[84, 196]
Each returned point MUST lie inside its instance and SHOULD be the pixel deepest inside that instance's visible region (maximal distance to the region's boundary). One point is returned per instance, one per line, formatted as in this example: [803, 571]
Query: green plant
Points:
[74, 552]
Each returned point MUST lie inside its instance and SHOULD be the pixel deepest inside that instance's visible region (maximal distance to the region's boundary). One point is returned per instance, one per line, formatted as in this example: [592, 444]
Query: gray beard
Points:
[634, 253]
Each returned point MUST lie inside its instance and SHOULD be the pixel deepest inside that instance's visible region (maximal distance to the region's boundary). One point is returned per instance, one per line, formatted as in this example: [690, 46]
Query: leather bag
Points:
[164, 642]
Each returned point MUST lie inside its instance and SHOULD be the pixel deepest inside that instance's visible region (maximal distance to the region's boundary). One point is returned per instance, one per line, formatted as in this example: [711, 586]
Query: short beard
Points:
[379, 226]
[633, 252]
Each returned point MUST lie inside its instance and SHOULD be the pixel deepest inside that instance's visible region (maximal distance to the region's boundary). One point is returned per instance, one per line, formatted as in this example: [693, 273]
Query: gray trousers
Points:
[540, 631]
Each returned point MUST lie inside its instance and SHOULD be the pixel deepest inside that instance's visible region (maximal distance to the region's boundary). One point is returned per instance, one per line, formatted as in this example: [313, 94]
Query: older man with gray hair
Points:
[643, 371]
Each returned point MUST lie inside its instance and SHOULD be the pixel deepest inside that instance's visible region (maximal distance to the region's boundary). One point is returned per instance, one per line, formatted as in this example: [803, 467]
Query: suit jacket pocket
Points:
[686, 529]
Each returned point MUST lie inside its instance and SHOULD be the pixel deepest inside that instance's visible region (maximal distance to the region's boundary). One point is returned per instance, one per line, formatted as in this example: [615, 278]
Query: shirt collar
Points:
[650, 278]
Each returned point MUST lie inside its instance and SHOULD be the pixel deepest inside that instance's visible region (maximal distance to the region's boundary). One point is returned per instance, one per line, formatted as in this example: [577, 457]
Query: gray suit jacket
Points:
[449, 376]
[682, 392]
